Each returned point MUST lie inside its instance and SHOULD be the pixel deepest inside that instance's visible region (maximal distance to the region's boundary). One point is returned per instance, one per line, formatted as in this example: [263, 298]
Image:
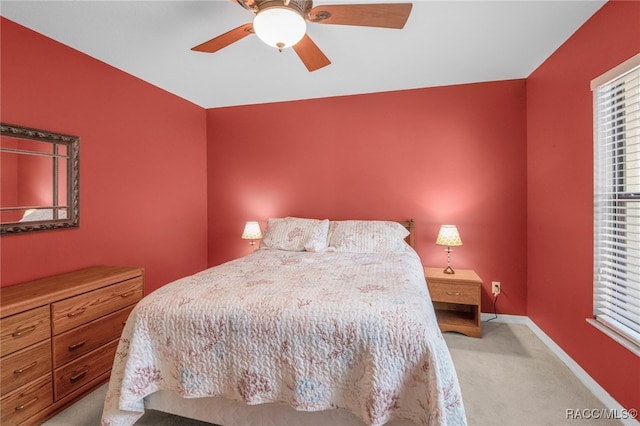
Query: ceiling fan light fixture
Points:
[279, 27]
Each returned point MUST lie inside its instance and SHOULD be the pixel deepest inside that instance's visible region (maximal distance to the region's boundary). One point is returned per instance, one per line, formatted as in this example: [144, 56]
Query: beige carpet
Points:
[508, 377]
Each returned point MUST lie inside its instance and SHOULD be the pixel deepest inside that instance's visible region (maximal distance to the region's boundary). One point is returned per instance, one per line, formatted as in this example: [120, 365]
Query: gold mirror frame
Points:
[71, 144]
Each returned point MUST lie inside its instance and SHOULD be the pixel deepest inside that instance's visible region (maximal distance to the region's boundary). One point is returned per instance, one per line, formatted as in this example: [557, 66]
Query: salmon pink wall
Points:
[560, 195]
[142, 164]
[441, 155]
[35, 180]
[9, 185]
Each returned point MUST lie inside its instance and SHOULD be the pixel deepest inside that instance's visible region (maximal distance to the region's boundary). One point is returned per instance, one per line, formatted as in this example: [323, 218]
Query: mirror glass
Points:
[39, 180]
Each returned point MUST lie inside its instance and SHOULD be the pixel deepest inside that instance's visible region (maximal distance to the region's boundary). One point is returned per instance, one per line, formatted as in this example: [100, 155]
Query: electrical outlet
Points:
[495, 287]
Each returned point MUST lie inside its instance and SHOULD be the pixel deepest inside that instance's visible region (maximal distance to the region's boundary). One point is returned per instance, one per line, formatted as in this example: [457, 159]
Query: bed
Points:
[327, 323]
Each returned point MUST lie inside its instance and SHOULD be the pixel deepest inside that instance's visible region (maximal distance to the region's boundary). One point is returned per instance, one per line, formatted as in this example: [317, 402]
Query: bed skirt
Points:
[226, 412]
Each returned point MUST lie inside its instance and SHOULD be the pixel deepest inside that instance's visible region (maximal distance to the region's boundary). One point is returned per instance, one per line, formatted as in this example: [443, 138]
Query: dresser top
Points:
[31, 294]
[460, 275]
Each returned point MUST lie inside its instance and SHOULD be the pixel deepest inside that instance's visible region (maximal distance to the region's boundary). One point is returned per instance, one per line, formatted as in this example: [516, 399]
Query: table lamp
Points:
[448, 236]
[252, 232]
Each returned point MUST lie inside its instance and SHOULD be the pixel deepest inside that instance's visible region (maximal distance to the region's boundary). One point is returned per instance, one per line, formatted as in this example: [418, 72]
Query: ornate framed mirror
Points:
[39, 176]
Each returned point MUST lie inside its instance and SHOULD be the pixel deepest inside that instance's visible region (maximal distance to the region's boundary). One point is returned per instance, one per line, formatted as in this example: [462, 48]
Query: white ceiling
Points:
[443, 43]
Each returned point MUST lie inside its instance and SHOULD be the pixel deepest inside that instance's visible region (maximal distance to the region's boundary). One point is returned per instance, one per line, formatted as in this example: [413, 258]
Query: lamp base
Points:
[449, 270]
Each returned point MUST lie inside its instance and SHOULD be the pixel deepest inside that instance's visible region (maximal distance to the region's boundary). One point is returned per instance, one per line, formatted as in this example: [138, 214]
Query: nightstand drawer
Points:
[79, 341]
[454, 293]
[23, 366]
[26, 401]
[23, 329]
[81, 309]
[78, 373]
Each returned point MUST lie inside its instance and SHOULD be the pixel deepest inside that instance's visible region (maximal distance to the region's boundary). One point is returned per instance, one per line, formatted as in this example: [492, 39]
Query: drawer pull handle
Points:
[23, 369]
[23, 331]
[23, 406]
[77, 345]
[76, 313]
[122, 295]
[78, 376]
[453, 293]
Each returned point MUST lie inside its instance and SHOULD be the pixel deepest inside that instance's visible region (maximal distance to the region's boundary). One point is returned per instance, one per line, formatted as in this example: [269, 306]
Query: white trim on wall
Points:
[509, 319]
[615, 72]
[607, 400]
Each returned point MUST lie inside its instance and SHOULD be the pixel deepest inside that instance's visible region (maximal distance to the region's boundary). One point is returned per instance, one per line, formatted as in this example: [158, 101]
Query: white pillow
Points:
[367, 236]
[319, 238]
[296, 234]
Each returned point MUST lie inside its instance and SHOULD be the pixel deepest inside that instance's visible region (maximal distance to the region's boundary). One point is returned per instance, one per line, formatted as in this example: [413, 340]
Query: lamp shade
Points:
[279, 27]
[448, 236]
[252, 231]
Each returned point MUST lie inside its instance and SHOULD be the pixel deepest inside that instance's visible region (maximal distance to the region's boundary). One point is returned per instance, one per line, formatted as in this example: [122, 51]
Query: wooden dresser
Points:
[58, 338]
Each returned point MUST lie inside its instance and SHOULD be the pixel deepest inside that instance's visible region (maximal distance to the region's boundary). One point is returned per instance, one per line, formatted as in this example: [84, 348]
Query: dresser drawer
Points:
[24, 329]
[26, 401]
[78, 373]
[24, 366]
[75, 311]
[79, 341]
[454, 293]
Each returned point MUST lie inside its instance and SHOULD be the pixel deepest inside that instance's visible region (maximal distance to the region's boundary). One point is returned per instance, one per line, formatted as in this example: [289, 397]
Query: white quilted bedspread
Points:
[313, 330]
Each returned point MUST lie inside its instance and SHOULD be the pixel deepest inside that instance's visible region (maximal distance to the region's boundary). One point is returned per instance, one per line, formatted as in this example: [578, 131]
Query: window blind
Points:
[617, 201]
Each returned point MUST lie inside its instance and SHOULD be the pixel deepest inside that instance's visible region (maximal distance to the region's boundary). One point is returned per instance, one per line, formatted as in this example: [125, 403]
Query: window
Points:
[616, 300]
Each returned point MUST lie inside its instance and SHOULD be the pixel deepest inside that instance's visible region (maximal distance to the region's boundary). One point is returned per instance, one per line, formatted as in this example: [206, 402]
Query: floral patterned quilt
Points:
[313, 330]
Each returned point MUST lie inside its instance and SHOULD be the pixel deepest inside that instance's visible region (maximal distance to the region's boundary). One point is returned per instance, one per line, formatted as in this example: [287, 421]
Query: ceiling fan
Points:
[282, 24]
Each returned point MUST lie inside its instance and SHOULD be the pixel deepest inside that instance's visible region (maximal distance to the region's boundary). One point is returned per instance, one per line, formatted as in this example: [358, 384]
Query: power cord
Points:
[495, 310]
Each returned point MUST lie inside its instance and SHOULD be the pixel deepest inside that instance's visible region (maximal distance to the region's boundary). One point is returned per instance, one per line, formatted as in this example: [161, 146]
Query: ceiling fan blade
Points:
[310, 54]
[384, 15]
[225, 39]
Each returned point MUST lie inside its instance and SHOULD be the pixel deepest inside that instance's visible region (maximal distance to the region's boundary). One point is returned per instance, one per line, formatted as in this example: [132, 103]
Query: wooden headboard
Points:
[411, 227]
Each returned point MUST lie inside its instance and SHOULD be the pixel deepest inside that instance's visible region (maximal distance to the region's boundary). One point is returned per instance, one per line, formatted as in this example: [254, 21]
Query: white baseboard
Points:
[607, 400]
[511, 319]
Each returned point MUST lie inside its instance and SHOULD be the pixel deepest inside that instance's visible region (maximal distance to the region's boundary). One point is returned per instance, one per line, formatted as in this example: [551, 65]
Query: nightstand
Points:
[456, 299]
